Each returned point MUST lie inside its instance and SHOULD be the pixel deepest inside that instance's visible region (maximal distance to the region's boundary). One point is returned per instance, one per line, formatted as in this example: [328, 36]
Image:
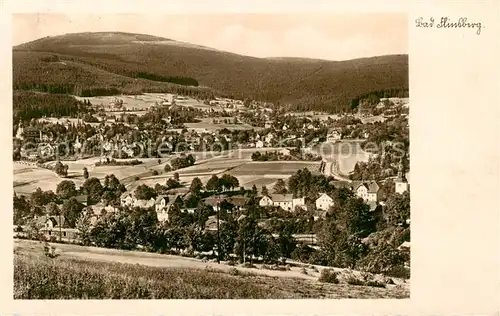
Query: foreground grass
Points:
[40, 278]
[66, 277]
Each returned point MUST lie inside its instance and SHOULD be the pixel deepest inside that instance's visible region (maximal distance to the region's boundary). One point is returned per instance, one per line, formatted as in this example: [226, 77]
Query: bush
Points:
[155, 172]
[399, 272]
[329, 276]
[352, 280]
[137, 178]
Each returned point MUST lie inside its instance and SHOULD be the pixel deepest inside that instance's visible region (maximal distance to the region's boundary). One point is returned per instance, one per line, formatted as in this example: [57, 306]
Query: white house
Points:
[333, 136]
[368, 191]
[285, 201]
[324, 202]
[265, 201]
[259, 144]
[163, 204]
[299, 202]
[127, 199]
[161, 208]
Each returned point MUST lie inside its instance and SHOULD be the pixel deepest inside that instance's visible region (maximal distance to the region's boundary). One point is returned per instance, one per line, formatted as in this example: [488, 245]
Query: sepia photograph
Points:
[211, 156]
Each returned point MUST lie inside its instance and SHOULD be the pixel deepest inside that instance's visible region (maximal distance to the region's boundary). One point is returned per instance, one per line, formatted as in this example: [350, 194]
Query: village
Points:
[184, 161]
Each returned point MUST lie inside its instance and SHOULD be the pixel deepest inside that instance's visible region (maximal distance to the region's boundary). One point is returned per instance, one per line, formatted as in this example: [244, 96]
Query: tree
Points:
[22, 209]
[167, 168]
[228, 182]
[60, 169]
[41, 198]
[201, 214]
[397, 209]
[85, 173]
[196, 186]
[176, 177]
[52, 209]
[264, 190]
[66, 189]
[227, 238]
[280, 187]
[286, 244]
[144, 192]
[214, 184]
[172, 184]
[93, 188]
[71, 210]
[254, 192]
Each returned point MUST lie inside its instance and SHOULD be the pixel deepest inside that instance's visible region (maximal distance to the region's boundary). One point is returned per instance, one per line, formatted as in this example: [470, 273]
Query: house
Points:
[333, 136]
[164, 203]
[268, 124]
[46, 150]
[369, 191]
[52, 229]
[324, 202]
[127, 199]
[285, 201]
[162, 208]
[49, 222]
[259, 144]
[266, 201]
[299, 202]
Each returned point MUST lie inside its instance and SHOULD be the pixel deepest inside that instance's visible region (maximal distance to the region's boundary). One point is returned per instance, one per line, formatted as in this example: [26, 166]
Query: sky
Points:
[323, 36]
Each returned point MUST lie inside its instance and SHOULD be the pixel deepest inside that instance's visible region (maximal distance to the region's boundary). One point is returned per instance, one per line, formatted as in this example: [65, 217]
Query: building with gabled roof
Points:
[324, 202]
[367, 190]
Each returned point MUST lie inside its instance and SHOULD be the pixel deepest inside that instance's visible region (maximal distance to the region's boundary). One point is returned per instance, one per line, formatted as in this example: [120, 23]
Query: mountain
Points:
[114, 62]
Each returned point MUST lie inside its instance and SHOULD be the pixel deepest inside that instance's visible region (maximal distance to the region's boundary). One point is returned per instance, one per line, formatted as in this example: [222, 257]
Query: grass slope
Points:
[70, 277]
[310, 82]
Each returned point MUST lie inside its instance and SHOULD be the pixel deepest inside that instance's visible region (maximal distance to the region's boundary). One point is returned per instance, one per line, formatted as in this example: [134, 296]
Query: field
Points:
[94, 273]
[139, 104]
[237, 163]
[206, 123]
[272, 168]
[27, 178]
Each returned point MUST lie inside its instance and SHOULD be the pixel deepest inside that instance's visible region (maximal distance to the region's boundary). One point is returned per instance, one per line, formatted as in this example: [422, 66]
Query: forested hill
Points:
[108, 63]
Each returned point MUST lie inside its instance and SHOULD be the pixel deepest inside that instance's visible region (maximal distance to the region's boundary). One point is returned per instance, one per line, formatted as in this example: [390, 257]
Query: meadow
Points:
[273, 168]
[85, 277]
